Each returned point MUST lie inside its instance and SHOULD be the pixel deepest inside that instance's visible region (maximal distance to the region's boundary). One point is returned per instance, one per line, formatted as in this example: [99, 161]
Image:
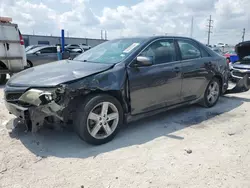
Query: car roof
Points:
[155, 37]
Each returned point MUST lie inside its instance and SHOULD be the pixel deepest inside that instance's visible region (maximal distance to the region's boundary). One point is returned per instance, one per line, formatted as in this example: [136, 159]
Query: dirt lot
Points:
[149, 153]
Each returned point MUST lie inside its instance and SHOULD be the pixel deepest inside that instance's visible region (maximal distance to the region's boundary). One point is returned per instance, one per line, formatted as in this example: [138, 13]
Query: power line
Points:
[210, 21]
[243, 34]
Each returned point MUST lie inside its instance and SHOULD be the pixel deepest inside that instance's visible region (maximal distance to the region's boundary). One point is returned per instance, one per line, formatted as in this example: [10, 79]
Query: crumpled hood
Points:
[55, 73]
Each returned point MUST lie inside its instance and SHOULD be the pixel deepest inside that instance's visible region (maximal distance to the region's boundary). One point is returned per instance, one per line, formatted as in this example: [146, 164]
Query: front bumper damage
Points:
[34, 106]
[241, 80]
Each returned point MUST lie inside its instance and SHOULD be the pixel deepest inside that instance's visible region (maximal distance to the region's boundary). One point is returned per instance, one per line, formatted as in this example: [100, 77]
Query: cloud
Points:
[149, 17]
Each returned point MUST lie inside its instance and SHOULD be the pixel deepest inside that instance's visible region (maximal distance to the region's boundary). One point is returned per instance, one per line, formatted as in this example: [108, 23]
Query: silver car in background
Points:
[44, 54]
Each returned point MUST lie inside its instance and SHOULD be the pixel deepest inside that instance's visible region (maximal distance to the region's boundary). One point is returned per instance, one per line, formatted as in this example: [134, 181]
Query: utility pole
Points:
[243, 34]
[101, 34]
[106, 35]
[210, 21]
[192, 26]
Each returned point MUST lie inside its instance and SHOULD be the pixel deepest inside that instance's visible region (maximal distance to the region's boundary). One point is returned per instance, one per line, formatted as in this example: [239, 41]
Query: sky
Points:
[125, 18]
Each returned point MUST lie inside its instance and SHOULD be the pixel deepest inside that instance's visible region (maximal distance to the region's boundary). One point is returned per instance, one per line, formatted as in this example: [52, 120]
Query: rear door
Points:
[195, 69]
[159, 85]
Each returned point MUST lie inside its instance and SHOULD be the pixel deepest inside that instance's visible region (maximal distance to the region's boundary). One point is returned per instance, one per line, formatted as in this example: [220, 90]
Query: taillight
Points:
[21, 38]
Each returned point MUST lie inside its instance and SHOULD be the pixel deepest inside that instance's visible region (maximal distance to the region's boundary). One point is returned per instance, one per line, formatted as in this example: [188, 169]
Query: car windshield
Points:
[28, 48]
[34, 50]
[111, 52]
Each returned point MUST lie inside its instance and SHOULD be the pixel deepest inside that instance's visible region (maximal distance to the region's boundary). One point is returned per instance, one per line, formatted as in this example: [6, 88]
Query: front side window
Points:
[189, 50]
[161, 51]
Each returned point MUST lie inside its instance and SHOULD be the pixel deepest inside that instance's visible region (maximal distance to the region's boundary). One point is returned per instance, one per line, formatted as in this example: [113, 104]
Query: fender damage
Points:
[60, 103]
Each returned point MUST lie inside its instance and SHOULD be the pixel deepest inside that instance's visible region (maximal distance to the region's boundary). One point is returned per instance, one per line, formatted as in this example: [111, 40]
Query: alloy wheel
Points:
[102, 120]
[213, 92]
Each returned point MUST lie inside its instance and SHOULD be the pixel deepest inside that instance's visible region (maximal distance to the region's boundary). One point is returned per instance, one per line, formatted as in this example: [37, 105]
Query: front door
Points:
[159, 85]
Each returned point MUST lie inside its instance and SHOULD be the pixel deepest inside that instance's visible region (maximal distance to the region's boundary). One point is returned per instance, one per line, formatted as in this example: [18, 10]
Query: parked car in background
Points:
[41, 55]
[83, 47]
[242, 67]
[221, 45]
[72, 46]
[74, 52]
[217, 50]
[46, 54]
[116, 82]
[12, 50]
[31, 47]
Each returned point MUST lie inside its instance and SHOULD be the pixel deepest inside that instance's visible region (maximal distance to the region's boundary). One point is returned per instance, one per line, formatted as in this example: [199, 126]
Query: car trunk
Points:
[243, 49]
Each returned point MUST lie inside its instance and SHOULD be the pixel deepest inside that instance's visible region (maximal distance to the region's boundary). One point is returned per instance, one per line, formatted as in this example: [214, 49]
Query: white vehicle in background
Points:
[83, 47]
[12, 50]
[221, 45]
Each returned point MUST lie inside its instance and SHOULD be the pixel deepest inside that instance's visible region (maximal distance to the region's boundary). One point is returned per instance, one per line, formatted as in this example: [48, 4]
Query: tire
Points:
[3, 78]
[207, 102]
[85, 123]
[29, 65]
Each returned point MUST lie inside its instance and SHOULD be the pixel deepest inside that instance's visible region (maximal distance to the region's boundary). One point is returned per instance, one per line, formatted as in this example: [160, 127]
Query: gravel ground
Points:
[187, 147]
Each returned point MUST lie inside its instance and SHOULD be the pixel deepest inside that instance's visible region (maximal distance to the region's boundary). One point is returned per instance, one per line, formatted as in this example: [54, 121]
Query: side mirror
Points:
[38, 53]
[144, 61]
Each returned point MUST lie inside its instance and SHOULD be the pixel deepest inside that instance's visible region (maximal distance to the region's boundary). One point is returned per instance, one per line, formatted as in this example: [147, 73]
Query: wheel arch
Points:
[78, 100]
[30, 62]
[219, 77]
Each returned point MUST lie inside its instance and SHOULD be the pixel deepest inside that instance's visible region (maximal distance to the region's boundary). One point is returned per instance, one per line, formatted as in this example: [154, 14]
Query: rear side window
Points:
[189, 50]
[48, 50]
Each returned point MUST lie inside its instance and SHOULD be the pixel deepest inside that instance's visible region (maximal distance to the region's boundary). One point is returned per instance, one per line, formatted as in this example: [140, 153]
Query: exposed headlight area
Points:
[38, 97]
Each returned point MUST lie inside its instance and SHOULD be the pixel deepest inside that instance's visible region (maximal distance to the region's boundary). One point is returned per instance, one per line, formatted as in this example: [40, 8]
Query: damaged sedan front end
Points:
[47, 97]
[35, 105]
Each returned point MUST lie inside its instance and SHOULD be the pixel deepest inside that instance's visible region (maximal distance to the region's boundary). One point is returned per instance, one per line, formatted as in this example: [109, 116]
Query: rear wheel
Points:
[212, 93]
[99, 119]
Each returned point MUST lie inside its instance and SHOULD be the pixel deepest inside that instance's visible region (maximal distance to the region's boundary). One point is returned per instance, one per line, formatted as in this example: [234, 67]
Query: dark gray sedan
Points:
[116, 82]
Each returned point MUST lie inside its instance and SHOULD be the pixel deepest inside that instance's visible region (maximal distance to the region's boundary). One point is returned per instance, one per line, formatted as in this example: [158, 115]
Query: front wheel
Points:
[212, 93]
[99, 119]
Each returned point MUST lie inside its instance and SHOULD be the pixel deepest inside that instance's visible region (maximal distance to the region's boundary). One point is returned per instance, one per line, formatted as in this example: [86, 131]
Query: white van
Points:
[12, 49]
